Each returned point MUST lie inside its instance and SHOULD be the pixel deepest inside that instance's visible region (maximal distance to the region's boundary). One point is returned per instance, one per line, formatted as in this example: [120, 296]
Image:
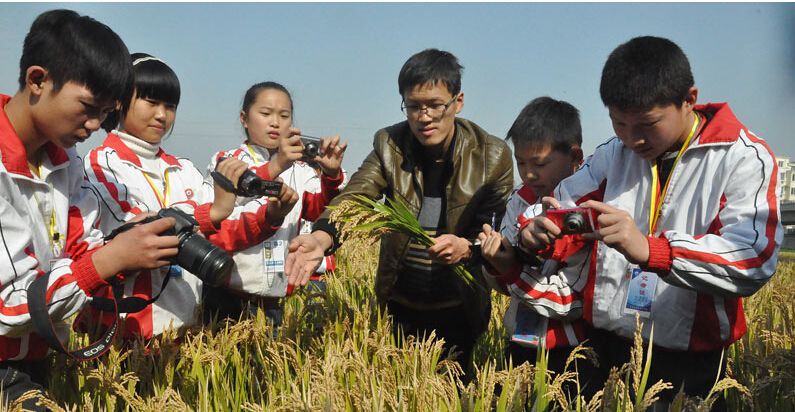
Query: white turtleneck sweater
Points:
[147, 153]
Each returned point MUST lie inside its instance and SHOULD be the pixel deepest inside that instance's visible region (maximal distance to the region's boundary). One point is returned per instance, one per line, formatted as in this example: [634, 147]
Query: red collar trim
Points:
[14, 156]
[723, 127]
[114, 142]
[526, 193]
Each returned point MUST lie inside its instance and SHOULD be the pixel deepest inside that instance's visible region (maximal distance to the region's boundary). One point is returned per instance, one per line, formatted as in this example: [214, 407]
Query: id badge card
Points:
[529, 327]
[273, 255]
[640, 296]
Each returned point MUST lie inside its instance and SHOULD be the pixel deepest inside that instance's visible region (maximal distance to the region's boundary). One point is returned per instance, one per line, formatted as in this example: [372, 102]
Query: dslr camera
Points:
[249, 184]
[195, 253]
[574, 221]
[311, 148]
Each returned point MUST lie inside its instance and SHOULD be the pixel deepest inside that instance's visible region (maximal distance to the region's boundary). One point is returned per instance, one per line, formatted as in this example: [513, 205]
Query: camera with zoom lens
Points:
[311, 148]
[249, 184]
[574, 221]
[195, 253]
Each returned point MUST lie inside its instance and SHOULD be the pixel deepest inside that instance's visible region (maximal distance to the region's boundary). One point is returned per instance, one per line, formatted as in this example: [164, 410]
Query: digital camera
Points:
[195, 253]
[249, 184]
[574, 221]
[311, 148]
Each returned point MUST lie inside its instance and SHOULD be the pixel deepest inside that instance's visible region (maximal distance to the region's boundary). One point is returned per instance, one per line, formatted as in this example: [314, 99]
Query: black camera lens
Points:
[574, 223]
[311, 149]
[251, 185]
[203, 259]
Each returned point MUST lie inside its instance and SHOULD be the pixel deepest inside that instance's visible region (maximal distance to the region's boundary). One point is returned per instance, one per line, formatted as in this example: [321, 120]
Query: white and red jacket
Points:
[27, 205]
[129, 175]
[544, 290]
[250, 274]
[717, 238]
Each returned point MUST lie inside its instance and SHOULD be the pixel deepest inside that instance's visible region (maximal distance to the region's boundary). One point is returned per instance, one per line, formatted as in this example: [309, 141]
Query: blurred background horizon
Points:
[340, 61]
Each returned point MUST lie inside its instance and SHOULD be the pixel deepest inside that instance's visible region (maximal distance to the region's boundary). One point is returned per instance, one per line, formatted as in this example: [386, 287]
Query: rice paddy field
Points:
[335, 352]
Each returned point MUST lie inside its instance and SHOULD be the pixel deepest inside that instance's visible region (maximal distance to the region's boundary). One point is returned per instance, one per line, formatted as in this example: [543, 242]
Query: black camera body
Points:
[195, 253]
[249, 184]
[311, 148]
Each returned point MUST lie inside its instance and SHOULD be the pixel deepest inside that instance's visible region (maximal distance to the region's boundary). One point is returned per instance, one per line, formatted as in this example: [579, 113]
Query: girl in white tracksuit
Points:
[273, 149]
[133, 175]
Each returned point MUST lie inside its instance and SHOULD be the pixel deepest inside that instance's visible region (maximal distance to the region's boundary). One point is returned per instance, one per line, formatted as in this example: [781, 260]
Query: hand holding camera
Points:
[291, 149]
[280, 205]
[556, 222]
[330, 156]
[617, 229]
[141, 247]
[248, 183]
[224, 200]
[175, 232]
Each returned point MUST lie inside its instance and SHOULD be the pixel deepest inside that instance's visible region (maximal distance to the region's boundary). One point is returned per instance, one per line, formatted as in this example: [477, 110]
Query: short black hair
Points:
[431, 66]
[78, 49]
[154, 80]
[547, 121]
[646, 72]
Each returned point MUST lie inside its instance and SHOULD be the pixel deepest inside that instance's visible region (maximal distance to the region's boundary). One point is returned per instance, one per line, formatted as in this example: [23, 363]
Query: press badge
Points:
[642, 286]
[273, 253]
[529, 327]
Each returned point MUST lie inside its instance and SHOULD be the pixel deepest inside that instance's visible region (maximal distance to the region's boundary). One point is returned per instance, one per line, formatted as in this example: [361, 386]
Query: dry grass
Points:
[336, 352]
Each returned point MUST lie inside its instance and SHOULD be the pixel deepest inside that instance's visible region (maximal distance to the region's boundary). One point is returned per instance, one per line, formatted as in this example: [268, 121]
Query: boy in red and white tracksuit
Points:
[544, 307]
[47, 224]
[688, 221]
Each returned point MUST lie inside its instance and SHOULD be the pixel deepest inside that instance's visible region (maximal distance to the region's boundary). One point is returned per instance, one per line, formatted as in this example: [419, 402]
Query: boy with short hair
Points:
[547, 139]
[73, 71]
[689, 223]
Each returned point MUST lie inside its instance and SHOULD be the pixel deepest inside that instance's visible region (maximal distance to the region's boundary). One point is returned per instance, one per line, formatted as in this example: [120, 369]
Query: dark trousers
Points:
[18, 377]
[451, 324]
[694, 372]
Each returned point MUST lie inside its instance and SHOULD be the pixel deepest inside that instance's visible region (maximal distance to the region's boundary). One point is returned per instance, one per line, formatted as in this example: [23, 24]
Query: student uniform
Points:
[134, 176]
[269, 257]
[47, 224]
[537, 290]
[716, 241]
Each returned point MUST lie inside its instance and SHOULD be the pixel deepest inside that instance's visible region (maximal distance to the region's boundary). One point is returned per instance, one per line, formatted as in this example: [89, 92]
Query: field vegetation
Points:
[336, 352]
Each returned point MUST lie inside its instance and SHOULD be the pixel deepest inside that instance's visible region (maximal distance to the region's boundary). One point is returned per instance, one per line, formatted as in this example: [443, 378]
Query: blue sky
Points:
[341, 61]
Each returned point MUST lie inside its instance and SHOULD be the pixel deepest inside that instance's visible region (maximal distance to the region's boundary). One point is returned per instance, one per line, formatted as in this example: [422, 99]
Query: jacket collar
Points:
[14, 156]
[722, 125]
[412, 149]
[114, 142]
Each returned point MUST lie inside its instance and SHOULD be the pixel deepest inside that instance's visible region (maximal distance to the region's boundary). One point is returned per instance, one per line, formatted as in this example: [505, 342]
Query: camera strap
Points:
[44, 327]
[131, 304]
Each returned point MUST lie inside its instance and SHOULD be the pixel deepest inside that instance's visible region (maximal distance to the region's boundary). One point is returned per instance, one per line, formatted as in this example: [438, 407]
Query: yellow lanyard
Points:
[162, 199]
[656, 203]
[55, 239]
[253, 154]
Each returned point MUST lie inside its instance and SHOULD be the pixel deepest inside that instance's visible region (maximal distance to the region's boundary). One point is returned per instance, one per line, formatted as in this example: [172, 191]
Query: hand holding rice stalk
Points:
[374, 218]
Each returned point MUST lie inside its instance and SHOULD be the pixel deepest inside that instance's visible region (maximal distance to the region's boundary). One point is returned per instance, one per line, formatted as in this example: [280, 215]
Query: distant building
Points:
[786, 168]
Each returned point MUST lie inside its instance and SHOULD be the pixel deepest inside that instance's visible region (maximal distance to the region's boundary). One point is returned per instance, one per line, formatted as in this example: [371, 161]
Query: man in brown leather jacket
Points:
[455, 177]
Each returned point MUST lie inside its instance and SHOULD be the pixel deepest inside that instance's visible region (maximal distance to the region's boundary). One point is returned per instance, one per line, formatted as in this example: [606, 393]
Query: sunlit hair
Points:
[154, 80]
[79, 49]
[431, 66]
[546, 121]
[646, 72]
